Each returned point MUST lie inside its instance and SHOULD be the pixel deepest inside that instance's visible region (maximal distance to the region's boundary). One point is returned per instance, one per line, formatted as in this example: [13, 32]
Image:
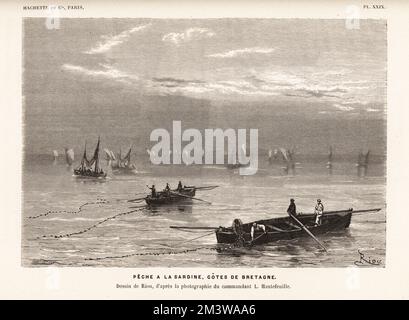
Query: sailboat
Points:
[240, 153]
[329, 163]
[362, 165]
[69, 156]
[90, 168]
[55, 155]
[123, 165]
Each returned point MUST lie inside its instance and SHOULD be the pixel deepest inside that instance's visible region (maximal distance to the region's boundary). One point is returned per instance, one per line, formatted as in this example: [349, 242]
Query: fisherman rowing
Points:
[167, 188]
[257, 227]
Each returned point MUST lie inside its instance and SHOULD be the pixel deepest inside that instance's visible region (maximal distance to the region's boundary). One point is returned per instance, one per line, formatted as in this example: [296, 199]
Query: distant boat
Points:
[288, 157]
[329, 163]
[55, 156]
[109, 156]
[69, 156]
[362, 164]
[241, 153]
[90, 168]
[272, 155]
[122, 165]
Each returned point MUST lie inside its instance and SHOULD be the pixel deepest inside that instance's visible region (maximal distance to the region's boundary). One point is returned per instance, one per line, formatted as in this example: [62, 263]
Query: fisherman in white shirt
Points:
[256, 227]
[319, 210]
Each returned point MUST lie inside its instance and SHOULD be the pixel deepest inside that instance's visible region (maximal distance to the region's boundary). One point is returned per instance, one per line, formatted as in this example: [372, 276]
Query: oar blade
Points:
[309, 232]
[185, 196]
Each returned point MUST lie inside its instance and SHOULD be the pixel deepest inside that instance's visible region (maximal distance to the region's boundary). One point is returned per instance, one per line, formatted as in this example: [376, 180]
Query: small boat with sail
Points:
[90, 168]
[119, 164]
[69, 156]
[362, 164]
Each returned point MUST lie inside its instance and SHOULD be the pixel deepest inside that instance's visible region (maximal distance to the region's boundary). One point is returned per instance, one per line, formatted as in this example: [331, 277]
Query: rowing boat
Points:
[169, 197]
[284, 228]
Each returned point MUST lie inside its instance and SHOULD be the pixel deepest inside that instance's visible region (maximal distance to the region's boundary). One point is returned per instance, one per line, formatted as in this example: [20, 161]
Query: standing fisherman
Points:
[319, 210]
[180, 186]
[292, 209]
[153, 189]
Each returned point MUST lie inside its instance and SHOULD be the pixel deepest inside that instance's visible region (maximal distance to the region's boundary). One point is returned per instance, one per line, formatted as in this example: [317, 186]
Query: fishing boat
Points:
[90, 169]
[120, 165]
[169, 196]
[69, 156]
[286, 228]
[172, 196]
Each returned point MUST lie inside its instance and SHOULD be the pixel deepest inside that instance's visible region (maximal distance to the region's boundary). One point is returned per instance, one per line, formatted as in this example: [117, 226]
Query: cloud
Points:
[112, 41]
[188, 35]
[196, 88]
[319, 91]
[354, 101]
[307, 83]
[241, 52]
[251, 84]
[106, 72]
[174, 80]
[372, 110]
[343, 108]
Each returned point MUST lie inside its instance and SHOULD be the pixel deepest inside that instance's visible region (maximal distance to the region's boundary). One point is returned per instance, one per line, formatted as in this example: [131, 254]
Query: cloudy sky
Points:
[303, 61]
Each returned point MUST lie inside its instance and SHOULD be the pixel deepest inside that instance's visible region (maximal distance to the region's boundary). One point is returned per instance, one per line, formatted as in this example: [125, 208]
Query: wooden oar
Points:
[201, 188]
[254, 240]
[206, 187]
[137, 199]
[366, 210]
[194, 228]
[182, 195]
[340, 211]
[308, 232]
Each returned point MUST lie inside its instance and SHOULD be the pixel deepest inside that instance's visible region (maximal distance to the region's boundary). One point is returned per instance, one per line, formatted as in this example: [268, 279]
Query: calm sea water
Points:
[51, 187]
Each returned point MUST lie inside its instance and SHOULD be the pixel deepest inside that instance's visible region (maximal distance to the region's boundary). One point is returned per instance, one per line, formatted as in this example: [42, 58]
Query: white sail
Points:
[108, 154]
[284, 153]
[366, 158]
[69, 156]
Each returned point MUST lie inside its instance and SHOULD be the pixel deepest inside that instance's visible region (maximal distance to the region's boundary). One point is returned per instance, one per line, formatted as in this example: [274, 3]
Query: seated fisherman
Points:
[257, 227]
[167, 188]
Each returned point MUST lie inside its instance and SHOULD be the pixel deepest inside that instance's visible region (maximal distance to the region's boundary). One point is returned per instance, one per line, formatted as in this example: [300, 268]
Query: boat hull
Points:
[91, 176]
[162, 198]
[286, 228]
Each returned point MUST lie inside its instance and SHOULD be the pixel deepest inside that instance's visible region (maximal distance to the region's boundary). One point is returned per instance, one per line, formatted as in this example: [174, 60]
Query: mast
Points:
[96, 157]
[84, 157]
